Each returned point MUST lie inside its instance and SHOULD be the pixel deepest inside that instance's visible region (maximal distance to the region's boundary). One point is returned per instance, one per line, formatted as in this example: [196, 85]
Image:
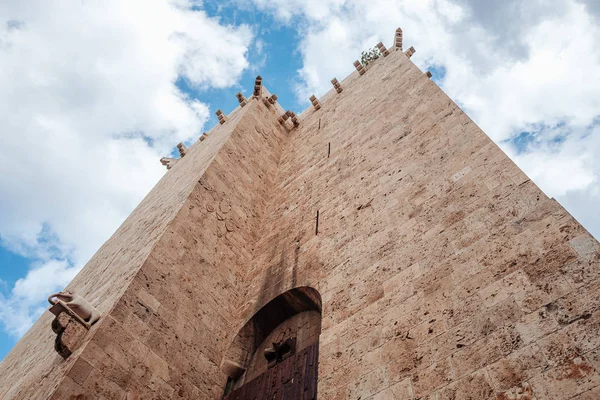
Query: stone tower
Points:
[377, 246]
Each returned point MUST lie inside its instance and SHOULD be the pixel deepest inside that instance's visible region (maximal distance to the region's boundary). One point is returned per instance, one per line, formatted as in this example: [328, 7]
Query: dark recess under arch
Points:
[279, 311]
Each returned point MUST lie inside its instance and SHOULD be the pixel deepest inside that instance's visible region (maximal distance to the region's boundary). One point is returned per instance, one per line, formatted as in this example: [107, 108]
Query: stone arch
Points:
[295, 313]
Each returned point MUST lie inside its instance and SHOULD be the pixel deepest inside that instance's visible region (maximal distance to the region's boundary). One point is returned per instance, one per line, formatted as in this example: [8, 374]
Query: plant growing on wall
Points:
[369, 56]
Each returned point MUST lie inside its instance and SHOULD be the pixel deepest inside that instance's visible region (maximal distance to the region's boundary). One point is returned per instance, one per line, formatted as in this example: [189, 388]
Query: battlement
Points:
[377, 245]
[285, 117]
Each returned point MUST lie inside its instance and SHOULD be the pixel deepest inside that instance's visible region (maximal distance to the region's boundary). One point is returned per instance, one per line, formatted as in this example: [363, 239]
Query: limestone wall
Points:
[33, 370]
[168, 333]
[444, 271]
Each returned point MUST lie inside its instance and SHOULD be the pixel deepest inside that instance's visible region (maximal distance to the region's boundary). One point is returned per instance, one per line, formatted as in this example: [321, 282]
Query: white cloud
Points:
[286, 10]
[24, 305]
[89, 105]
[514, 66]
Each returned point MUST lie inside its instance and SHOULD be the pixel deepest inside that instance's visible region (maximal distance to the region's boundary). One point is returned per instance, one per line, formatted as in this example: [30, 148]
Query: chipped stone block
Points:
[69, 327]
[460, 174]
[70, 338]
[60, 323]
[148, 301]
[585, 246]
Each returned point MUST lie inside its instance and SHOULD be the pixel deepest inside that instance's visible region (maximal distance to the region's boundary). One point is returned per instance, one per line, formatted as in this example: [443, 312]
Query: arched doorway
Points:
[275, 354]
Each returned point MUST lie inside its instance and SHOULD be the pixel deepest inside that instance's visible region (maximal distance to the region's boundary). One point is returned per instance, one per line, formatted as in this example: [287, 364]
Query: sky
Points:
[95, 92]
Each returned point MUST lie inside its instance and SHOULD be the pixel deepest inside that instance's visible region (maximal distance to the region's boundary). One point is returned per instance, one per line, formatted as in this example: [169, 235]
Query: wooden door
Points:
[295, 378]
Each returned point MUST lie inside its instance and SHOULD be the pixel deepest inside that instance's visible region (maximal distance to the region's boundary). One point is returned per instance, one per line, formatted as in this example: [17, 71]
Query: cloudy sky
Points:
[94, 92]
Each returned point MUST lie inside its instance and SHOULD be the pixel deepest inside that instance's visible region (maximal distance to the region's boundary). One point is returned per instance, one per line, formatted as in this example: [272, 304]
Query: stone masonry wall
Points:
[167, 335]
[32, 369]
[445, 272]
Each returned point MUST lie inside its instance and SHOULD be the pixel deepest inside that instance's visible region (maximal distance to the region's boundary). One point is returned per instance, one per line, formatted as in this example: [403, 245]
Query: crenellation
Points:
[336, 85]
[222, 118]
[182, 149]
[270, 101]
[315, 102]
[398, 39]
[437, 269]
[382, 49]
[359, 67]
[241, 99]
[293, 117]
[284, 117]
[258, 87]
[409, 53]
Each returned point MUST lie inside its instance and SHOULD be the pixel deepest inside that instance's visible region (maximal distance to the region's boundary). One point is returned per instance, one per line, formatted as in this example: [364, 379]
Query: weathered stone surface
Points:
[444, 272]
[70, 337]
